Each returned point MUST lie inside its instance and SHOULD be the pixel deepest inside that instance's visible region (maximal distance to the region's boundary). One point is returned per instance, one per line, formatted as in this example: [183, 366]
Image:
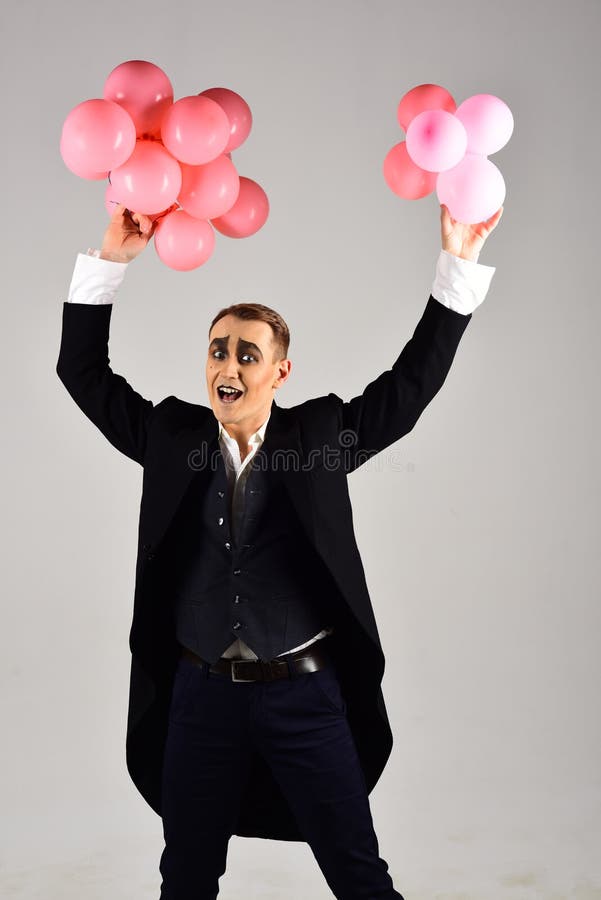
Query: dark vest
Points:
[269, 587]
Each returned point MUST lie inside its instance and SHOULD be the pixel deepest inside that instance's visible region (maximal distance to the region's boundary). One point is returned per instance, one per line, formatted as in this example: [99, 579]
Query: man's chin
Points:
[226, 415]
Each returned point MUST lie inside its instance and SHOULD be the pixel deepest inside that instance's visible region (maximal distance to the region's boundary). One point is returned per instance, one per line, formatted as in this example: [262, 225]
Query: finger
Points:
[447, 222]
[450, 218]
[495, 217]
[143, 222]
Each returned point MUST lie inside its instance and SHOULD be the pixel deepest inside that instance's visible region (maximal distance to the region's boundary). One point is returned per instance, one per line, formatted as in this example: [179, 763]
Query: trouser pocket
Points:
[327, 687]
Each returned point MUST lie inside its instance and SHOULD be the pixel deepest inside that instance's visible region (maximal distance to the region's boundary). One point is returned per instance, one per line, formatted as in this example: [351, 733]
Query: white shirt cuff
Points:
[95, 280]
[461, 284]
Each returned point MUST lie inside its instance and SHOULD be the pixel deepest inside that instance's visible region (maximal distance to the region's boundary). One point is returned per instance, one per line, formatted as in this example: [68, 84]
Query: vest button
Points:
[237, 599]
[220, 493]
[220, 520]
[228, 546]
[237, 625]
[146, 547]
[236, 571]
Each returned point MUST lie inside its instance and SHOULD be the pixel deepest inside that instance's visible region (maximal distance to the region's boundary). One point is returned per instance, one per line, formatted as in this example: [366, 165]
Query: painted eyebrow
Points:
[222, 343]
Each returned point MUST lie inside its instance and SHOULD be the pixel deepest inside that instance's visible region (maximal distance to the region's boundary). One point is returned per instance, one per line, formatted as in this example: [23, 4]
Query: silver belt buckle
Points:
[236, 662]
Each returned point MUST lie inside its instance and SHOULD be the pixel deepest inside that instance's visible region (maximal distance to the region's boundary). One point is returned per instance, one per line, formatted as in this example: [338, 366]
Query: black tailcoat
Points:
[314, 446]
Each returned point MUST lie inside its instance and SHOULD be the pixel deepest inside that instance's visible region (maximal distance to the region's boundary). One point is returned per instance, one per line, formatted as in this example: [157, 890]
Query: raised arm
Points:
[83, 366]
[390, 406]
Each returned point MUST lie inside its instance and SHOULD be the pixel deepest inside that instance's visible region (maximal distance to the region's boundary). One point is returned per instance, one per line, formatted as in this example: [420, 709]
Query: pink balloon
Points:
[421, 98]
[183, 242]
[164, 212]
[92, 176]
[488, 122]
[97, 135]
[195, 130]
[150, 180]
[142, 89]
[248, 214]
[473, 190]
[436, 140]
[111, 199]
[237, 111]
[210, 190]
[404, 177]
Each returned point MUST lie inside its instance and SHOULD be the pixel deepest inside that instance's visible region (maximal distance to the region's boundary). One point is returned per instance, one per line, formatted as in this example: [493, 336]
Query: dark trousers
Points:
[299, 727]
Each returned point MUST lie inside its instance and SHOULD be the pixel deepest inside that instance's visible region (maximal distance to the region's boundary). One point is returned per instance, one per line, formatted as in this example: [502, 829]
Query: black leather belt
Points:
[309, 659]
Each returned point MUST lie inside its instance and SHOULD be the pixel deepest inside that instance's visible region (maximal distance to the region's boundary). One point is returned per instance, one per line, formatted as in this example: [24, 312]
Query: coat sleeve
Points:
[390, 405]
[105, 397]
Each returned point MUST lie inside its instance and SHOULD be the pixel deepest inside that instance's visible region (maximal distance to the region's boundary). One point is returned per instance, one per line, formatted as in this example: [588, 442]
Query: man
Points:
[255, 703]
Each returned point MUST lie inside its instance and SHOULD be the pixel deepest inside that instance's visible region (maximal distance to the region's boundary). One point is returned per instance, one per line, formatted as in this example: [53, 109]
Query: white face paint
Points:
[240, 356]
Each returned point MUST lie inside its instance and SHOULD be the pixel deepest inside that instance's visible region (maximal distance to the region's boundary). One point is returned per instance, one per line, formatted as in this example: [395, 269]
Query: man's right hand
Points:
[127, 235]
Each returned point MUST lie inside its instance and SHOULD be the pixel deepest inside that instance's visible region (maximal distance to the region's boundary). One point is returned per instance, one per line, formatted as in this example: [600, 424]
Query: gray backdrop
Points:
[479, 531]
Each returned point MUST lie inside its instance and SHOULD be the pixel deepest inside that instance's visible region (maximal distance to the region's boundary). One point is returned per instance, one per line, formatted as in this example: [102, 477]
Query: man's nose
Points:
[230, 367]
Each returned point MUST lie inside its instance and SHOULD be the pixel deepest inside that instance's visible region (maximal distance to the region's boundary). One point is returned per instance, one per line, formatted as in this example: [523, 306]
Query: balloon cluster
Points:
[168, 160]
[447, 147]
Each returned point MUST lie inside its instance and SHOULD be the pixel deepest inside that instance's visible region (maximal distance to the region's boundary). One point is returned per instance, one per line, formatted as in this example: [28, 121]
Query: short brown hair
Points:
[280, 331]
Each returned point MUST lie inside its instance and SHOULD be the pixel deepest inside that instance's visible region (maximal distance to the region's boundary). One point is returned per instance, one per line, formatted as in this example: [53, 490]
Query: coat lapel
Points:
[196, 452]
[283, 453]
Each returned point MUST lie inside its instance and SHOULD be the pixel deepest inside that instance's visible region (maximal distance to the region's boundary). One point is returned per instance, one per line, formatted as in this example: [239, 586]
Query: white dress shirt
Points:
[459, 284]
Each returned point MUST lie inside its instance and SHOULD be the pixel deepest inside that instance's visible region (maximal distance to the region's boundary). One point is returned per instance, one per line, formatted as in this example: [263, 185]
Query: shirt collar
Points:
[257, 438]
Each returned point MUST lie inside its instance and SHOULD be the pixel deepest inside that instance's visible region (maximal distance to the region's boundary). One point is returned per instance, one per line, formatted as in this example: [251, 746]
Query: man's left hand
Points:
[465, 241]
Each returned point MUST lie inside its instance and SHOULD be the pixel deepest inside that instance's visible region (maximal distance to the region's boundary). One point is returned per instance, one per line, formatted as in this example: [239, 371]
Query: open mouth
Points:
[229, 396]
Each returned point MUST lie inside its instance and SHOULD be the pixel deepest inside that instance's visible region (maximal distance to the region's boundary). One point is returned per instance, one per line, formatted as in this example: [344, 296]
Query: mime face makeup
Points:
[240, 356]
